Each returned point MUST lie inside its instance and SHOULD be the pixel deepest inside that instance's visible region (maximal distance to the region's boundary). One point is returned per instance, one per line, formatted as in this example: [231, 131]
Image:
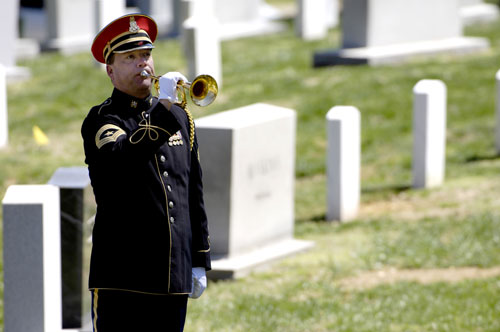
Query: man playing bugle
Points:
[150, 242]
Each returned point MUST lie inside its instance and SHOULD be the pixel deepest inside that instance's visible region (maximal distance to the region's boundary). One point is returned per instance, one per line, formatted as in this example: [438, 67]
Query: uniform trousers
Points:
[124, 311]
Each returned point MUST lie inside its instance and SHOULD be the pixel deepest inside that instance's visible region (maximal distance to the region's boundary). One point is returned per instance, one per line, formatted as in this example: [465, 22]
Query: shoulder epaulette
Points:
[106, 103]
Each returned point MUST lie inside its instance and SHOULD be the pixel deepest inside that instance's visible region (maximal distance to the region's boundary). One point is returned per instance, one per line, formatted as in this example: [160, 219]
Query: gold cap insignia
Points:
[133, 25]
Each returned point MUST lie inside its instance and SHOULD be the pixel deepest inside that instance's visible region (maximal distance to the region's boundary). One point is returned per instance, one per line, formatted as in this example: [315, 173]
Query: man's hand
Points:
[168, 86]
[199, 282]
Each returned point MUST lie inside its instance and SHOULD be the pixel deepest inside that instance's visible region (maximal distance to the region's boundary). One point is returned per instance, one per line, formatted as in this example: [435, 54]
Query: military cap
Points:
[127, 33]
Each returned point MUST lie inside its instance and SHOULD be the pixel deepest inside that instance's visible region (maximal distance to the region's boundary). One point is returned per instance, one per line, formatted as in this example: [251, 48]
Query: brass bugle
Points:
[202, 90]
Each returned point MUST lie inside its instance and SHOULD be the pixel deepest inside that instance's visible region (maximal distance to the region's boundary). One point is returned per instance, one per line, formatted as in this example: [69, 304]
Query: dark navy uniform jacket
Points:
[150, 227]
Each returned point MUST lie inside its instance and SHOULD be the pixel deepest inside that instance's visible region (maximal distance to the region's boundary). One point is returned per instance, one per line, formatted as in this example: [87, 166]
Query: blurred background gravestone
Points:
[377, 32]
[108, 10]
[77, 207]
[32, 259]
[12, 44]
[33, 21]
[71, 25]
[429, 133]
[343, 163]
[497, 112]
[314, 17]
[242, 18]
[4, 123]
[163, 12]
[248, 158]
[332, 13]
[475, 11]
[200, 36]
[311, 20]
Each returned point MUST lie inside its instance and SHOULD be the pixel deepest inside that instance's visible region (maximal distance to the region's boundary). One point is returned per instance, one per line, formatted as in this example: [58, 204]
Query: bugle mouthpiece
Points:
[146, 74]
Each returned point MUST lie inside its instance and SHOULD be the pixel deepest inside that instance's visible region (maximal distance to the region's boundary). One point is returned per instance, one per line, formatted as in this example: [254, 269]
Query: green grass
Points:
[453, 226]
[430, 242]
[405, 306]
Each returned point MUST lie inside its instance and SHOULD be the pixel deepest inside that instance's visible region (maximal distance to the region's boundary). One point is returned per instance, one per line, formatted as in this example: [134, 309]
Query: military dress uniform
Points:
[150, 227]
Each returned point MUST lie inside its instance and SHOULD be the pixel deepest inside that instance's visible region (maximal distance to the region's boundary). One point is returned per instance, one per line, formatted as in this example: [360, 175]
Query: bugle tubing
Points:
[202, 90]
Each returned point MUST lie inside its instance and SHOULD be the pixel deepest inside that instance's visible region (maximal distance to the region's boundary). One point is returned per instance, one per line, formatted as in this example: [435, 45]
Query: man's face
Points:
[126, 69]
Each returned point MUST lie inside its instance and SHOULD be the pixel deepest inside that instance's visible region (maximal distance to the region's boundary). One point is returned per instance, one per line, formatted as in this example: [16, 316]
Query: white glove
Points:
[168, 86]
[199, 282]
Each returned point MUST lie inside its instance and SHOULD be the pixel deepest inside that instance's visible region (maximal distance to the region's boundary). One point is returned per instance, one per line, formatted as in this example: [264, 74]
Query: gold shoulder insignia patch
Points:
[108, 133]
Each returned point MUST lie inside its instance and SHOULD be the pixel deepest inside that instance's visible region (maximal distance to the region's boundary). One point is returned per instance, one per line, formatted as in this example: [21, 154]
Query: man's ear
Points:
[109, 71]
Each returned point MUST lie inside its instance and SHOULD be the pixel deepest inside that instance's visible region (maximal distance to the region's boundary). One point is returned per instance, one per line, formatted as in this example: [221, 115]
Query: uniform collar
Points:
[128, 102]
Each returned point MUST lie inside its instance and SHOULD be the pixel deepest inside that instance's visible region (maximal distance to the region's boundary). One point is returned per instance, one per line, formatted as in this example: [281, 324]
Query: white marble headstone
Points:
[387, 31]
[497, 100]
[4, 123]
[242, 18]
[248, 161]
[9, 18]
[107, 11]
[71, 25]
[32, 259]
[201, 39]
[162, 11]
[429, 133]
[311, 20]
[343, 162]
[370, 23]
[474, 11]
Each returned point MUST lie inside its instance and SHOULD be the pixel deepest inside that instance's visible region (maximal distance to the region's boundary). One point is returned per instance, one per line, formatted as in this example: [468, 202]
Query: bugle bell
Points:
[202, 90]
